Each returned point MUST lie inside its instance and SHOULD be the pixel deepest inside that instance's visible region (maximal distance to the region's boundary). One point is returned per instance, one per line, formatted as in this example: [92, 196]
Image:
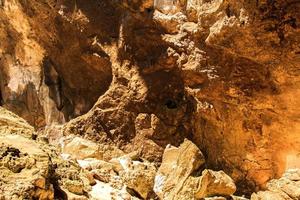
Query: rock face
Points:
[215, 184]
[285, 188]
[148, 73]
[24, 169]
[38, 81]
[11, 123]
[31, 169]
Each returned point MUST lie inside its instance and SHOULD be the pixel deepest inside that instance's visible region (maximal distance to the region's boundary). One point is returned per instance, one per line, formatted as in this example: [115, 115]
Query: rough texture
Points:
[12, 124]
[285, 188]
[215, 184]
[50, 72]
[222, 73]
[178, 176]
[31, 169]
[24, 169]
[177, 165]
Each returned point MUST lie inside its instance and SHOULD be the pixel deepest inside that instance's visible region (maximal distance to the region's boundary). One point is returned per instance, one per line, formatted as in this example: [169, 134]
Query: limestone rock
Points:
[177, 165]
[24, 169]
[80, 148]
[268, 195]
[231, 86]
[285, 188]
[215, 184]
[139, 177]
[10, 123]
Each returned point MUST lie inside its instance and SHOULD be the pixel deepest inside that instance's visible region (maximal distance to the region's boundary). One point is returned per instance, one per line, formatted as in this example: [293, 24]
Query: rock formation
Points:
[125, 90]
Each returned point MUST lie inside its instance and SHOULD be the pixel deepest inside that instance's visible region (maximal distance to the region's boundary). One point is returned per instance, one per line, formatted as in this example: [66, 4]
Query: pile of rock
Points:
[177, 177]
[181, 175]
[30, 168]
[285, 188]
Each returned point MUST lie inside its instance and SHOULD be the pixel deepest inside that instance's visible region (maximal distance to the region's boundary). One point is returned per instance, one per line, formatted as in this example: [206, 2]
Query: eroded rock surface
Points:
[224, 74]
[178, 176]
[32, 169]
[285, 188]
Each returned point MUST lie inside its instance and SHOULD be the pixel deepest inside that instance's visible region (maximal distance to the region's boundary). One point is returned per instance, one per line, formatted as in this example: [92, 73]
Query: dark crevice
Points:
[171, 104]
[54, 82]
[133, 193]
[228, 11]
[59, 194]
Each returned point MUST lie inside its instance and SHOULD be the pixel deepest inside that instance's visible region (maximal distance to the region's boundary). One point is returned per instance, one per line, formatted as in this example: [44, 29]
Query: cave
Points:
[167, 99]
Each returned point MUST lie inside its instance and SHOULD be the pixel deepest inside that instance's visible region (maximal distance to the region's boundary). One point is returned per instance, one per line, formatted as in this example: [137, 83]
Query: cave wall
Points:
[222, 73]
[50, 71]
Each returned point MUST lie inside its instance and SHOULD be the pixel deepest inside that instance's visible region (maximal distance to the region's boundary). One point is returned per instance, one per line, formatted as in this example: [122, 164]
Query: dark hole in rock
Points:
[34, 136]
[171, 104]
[12, 151]
[149, 10]
[228, 11]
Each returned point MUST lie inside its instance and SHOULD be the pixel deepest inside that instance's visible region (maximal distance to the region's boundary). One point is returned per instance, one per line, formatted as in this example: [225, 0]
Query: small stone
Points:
[75, 187]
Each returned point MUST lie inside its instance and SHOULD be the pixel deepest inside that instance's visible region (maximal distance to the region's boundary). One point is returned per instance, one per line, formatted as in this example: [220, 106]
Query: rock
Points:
[168, 6]
[238, 198]
[215, 184]
[24, 169]
[285, 188]
[268, 195]
[10, 123]
[100, 170]
[104, 191]
[170, 22]
[75, 187]
[136, 175]
[177, 165]
[231, 85]
[31, 84]
[80, 148]
[140, 178]
[215, 198]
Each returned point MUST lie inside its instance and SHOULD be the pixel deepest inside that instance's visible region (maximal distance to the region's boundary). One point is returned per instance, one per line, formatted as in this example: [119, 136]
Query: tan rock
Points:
[268, 195]
[10, 123]
[136, 175]
[215, 184]
[140, 178]
[80, 148]
[169, 6]
[177, 165]
[215, 198]
[285, 188]
[20, 179]
[75, 187]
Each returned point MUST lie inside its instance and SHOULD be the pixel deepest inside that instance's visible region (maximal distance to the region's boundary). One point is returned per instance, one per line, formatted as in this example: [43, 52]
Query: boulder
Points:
[136, 175]
[80, 148]
[268, 195]
[176, 167]
[215, 184]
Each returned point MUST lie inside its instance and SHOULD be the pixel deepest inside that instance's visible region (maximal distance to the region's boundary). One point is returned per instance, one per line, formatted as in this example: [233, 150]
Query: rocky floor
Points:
[79, 169]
